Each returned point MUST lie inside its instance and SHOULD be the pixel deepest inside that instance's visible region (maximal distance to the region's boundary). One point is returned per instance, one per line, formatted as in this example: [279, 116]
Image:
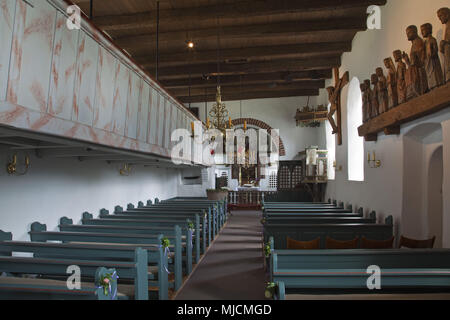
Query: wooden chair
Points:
[416, 244]
[339, 244]
[377, 244]
[303, 245]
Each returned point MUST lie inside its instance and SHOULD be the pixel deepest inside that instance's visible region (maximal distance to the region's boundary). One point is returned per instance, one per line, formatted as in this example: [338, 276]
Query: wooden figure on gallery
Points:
[411, 78]
[391, 83]
[374, 96]
[417, 59]
[368, 97]
[383, 100]
[444, 16]
[365, 102]
[432, 63]
[400, 77]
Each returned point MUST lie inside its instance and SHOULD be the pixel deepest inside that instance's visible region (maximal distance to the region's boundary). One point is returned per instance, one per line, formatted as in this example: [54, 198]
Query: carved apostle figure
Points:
[432, 64]
[383, 100]
[417, 59]
[411, 78]
[374, 96]
[368, 97]
[400, 77]
[391, 83]
[365, 102]
[444, 16]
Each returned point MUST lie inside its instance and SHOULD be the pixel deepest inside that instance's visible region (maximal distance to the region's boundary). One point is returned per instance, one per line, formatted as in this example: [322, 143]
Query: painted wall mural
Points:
[76, 84]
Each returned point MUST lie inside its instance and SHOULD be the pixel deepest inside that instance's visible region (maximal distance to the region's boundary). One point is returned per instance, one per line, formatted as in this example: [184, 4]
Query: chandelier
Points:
[219, 115]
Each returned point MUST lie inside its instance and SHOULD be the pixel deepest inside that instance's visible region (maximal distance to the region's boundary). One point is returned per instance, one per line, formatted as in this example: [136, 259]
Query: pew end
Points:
[64, 221]
[87, 216]
[104, 213]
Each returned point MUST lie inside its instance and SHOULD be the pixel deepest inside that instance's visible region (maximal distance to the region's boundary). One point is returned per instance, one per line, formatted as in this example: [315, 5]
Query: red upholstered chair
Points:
[338, 244]
[303, 245]
[377, 244]
[416, 244]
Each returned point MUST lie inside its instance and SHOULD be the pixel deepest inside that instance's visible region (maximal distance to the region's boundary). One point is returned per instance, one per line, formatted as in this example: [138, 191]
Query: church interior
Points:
[224, 150]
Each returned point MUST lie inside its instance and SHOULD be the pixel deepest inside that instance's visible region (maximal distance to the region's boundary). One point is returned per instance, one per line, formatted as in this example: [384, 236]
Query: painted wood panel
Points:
[104, 95]
[161, 121]
[29, 76]
[84, 93]
[143, 112]
[64, 62]
[76, 84]
[7, 10]
[121, 91]
[153, 139]
[134, 95]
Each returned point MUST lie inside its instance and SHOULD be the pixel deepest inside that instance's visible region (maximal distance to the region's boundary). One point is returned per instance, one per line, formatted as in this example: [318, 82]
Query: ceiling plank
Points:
[246, 31]
[251, 95]
[255, 67]
[236, 9]
[211, 82]
[292, 51]
[311, 84]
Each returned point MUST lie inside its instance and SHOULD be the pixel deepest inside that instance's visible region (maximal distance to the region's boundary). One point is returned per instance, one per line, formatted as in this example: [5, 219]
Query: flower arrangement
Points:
[267, 250]
[105, 282]
[270, 290]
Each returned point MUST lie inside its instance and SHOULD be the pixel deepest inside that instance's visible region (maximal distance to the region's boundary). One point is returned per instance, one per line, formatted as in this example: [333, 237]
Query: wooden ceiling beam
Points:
[276, 77]
[296, 50]
[255, 67]
[245, 31]
[251, 95]
[235, 10]
[300, 85]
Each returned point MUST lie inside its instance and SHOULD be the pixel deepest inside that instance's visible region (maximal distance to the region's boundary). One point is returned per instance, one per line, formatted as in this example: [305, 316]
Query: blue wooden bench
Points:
[135, 270]
[150, 220]
[308, 232]
[12, 288]
[172, 233]
[320, 220]
[39, 233]
[176, 217]
[305, 271]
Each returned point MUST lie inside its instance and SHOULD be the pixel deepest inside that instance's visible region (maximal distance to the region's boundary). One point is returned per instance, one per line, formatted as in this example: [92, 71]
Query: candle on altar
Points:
[245, 125]
[193, 128]
[229, 123]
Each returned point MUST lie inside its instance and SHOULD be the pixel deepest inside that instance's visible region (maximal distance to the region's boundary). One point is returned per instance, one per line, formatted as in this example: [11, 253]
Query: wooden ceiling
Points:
[267, 48]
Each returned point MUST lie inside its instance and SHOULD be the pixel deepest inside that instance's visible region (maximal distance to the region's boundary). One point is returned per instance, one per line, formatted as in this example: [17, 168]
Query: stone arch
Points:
[262, 125]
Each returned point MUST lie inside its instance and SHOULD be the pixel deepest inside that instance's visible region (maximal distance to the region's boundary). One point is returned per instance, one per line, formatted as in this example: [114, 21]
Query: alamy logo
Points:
[374, 18]
[74, 280]
[374, 281]
[74, 20]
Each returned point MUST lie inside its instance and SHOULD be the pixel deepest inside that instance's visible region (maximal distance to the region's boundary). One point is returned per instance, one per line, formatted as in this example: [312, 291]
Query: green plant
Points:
[270, 290]
[267, 250]
[165, 242]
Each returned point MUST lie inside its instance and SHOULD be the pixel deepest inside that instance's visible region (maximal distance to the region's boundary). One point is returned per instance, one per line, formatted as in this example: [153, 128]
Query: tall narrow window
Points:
[331, 147]
[355, 142]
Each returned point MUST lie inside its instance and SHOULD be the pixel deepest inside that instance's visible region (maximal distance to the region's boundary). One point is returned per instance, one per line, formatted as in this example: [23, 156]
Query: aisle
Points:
[233, 267]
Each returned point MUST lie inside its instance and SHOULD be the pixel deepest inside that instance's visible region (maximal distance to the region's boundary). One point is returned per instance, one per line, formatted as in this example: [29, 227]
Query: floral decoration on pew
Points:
[105, 284]
[267, 250]
[165, 244]
[271, 288]
[263, 221]
[191, 228]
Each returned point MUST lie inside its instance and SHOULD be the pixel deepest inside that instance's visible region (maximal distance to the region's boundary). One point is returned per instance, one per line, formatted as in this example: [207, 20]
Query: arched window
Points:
[331, 147]
[355, 142]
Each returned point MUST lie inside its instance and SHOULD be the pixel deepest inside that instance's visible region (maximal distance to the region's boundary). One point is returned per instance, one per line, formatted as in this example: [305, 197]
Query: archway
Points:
[435, 206]
[419, 165]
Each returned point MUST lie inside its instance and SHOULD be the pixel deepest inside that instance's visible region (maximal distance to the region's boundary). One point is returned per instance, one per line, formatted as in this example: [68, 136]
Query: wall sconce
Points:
[126, 170]
[372, 161]
[336, 167]
[11, 167]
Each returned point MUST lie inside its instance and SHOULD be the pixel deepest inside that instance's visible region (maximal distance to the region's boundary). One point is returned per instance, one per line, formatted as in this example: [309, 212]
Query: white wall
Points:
[383, 188]
[56, 188]
[279, 113]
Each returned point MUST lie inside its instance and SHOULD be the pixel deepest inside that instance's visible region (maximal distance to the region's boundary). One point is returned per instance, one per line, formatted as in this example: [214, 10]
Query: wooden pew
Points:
[94, 251]
[200, 232]
[307, 232]
[172, 233]
[302, 271]
[39, 233]
[320, 219]
[12, 288]
[135, 270]
[216, 216]
[315, 213]
[176, 216]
